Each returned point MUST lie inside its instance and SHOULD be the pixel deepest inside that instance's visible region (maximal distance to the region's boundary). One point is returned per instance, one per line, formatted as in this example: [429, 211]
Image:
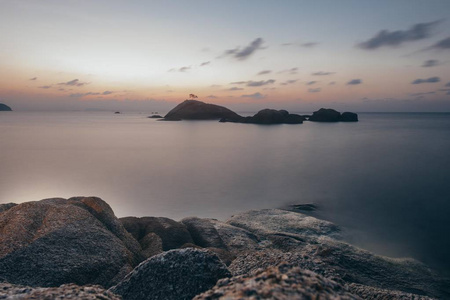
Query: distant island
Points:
[198, 110]
[4, 107]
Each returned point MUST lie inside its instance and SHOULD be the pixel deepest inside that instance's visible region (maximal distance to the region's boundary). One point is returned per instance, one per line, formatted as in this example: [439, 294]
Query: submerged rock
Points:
[56, 241]
[282, 282]
[4, 107]
[155, 117]
[66, 291]
[175, 274]
[197, 110]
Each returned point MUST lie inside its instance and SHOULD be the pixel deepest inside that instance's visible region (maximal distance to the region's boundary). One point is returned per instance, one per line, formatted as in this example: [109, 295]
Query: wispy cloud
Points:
[34, 78]
[396, 38]
[265, 72]
[317, 90]
[289, 82]
[442, 44]
[211, 97]
[215, 85]
[354, 82]
[320, 73]
[430, 63]
[44, 86]
[422, 94]
[205, 63]
[244, 53]
[448, 84]
[304, 45]
[234, 89]
[332, 83]
[74, 82]
[80, 95]
[291, 71]
[254, 96]
[311, 82]
[427, 80]
[254, 83]
[182, 69]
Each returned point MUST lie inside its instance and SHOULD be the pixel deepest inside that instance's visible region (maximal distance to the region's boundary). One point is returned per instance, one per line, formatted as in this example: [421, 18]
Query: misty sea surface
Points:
[385, 179]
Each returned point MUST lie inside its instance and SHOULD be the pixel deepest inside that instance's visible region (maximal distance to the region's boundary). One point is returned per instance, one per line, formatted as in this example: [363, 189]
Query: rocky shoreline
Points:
[77, 248]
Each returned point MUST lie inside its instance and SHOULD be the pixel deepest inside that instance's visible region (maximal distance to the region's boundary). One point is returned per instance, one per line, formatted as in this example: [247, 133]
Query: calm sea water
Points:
[386, 179]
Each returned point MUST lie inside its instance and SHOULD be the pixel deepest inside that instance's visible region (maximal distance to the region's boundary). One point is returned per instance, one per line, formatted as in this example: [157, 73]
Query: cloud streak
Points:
[317, 90]
[386, 38]
[264, 72]
[255, 83]
[320, 73]
[354, 82]
[430, 63]
[254, 96]
[74, 82]
[246, 52]
[442, 44]
[427, 80]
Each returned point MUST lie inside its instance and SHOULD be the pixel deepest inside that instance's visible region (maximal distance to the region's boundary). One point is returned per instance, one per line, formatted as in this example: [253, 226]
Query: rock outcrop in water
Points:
[4, 107]
[269, 116]
[331, 115]
[270, 253]
[197, 110]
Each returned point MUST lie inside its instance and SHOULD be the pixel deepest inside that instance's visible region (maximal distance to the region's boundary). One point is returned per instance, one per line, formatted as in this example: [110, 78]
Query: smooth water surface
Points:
[385, 179]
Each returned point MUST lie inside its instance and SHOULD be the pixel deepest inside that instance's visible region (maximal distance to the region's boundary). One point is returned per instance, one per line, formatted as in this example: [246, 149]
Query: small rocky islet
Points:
[198, 110]
[77, 248]
[4, 107]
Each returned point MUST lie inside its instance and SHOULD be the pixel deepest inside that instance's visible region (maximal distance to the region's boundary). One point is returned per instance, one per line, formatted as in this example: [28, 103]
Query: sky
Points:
[245, 55]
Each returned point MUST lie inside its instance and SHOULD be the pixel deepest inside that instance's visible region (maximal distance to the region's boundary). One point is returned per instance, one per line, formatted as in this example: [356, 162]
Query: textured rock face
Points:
[67, 291]
[197, 110]
[6, 206]
[176, 274]
[172, 234]
[282, 282]
[56, 241]
[4, 107]
[269, 221]
[309, 244]
[330, 115]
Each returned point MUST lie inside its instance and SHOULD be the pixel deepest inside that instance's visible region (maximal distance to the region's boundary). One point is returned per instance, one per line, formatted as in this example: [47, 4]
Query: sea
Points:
[385, 179]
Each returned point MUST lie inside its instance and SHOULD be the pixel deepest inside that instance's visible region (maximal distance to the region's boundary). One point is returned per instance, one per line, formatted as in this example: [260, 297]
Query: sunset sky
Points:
[246, 55]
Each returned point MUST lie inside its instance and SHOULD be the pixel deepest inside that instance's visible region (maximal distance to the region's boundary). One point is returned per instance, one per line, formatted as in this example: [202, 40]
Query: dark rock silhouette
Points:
[176, 274]
[349, 117]
[56, 241]
[331, 115]
[197, 110]
[172, 234]
[6, 206]
[155, 117]
[65, 291]
[4, 107]
[267, 117]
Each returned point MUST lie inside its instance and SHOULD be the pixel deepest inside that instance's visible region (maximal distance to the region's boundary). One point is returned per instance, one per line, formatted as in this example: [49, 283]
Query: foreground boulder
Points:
[172, 234]
[282, 282]
[331, 115]
[176, 274]
[197, 110]
[56, 241]
[4, 107]
[66, 291]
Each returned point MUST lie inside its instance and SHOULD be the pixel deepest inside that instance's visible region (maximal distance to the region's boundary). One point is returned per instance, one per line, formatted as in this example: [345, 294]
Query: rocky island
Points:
[78, 248]
[4, 107]
[198, 110]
